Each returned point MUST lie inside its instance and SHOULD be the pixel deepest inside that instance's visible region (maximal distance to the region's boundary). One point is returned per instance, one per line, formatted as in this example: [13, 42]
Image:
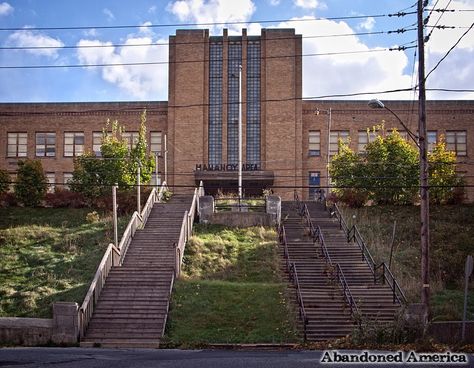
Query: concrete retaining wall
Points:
[241, 219]
[25, 331]
[63, 329]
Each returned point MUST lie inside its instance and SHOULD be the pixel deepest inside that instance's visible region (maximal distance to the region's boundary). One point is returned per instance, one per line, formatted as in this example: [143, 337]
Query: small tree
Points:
[4, 181]
[443, 179]
[31, 185]
[93, 176]
[347, 171]
[392, 168]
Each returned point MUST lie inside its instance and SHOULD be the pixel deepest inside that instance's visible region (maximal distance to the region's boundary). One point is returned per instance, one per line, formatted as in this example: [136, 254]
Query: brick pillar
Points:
[65, 323]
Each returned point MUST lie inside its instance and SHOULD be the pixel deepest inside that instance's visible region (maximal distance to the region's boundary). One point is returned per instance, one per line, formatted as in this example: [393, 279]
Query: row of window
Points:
[455, 141]
[45, 143]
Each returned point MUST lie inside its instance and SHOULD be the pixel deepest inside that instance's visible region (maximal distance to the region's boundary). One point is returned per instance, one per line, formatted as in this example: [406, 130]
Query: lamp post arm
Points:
[413, 136]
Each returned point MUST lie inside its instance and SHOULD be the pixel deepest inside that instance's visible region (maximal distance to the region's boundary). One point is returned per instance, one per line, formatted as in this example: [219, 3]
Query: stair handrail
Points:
[302, 310]
[187, 228]
[353, 234]
[397, 292]
[286, 253]
[291, 267]
[334, 211]
[346, 291]
[317, 235]
[114, 256]
[110, 258]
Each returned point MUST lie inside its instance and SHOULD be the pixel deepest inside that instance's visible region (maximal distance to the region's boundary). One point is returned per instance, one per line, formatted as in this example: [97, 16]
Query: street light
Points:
[421, 143]
[377, 104]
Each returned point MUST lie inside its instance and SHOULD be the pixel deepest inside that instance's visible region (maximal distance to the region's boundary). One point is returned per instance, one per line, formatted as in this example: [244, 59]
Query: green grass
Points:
[206, 311]
[47, 255]
[452, 234]
[231, 290]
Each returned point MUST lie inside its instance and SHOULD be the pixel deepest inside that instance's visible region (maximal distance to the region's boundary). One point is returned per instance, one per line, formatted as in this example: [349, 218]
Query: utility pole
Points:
[424, 191]
[240, 133]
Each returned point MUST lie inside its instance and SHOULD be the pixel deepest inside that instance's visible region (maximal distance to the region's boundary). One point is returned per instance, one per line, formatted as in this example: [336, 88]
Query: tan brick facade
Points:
[285, 119]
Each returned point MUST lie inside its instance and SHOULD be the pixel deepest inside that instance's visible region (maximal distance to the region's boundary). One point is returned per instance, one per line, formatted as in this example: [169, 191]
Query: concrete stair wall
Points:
[133, 306]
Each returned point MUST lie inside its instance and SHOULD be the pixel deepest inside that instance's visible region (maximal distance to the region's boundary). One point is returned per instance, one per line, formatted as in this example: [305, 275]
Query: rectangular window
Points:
[67, 177]
[97, 143]
[314, 143]
[131, 138]
[73, 144]
[402, 133]
[334, 138]
[457, 141]
[215, 101]
[253, 102]
[365, 137]
[155, 143]
[314, 181]
[432, 139]
[51, 179]
[233, 68]
[17, 144]
[45, 144]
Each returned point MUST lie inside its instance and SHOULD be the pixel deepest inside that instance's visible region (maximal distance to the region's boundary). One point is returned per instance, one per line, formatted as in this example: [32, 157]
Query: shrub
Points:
[4, 181]
[65, 199]
[8, 200]
[92, 217]
[31, 184]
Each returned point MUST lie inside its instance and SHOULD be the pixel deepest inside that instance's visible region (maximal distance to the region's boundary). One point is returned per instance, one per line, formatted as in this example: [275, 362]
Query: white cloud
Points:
[306, 4]
[5, 9]
[334, 74]
[213, 11]
[146, 82]
[152, 9]
[368, 24]
[108, 13]
[145, 28]
[90, 32]
[27, 38]
[457, 70]
[274, 2]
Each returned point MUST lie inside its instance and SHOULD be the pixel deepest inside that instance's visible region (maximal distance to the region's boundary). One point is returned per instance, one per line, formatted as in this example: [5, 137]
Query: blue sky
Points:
[322, 75]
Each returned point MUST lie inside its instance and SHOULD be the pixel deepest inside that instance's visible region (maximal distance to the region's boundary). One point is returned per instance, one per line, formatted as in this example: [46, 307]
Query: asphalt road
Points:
[131, 358]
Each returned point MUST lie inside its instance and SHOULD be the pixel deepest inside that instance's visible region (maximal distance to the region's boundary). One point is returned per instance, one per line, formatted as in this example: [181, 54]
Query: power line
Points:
[191, 61]
[397, 31]
[449, 51]
[439, 18]
[173, 25]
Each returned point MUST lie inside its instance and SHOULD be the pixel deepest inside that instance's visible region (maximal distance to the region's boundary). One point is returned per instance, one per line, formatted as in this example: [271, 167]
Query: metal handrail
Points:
[291, 267]
[318, 236]
[353, 234]
[346, 291]
[302, 310]
[398, 294]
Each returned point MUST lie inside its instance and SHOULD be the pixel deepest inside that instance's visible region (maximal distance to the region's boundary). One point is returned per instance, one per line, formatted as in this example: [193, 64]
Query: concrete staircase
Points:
[133, 306]
[328, 316]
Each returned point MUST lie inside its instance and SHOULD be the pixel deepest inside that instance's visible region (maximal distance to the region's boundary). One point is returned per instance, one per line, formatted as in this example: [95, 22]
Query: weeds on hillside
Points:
[48, 255]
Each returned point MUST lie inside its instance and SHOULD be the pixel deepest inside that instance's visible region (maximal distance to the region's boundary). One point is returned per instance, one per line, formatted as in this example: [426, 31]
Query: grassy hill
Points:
[48, 255]
[452, 239]
[231, 290]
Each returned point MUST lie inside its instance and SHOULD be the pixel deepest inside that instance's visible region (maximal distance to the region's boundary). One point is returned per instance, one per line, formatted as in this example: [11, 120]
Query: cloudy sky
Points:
[371, 68]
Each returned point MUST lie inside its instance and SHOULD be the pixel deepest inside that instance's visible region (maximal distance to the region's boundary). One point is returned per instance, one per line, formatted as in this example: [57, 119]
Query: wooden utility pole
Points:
[424, 190]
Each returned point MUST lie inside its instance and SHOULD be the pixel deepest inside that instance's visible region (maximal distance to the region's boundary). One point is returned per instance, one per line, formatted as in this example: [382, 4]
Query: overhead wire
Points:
[173, 25]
